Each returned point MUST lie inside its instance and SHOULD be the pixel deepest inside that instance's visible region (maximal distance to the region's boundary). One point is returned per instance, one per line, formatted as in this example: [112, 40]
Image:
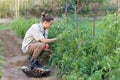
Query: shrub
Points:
[80, 57]
[21, 25]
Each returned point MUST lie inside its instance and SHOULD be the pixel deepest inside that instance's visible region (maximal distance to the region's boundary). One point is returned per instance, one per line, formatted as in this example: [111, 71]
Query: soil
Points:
[14, 59]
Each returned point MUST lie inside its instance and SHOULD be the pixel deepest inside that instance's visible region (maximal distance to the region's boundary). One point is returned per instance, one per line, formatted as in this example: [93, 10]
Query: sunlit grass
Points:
[5, 26]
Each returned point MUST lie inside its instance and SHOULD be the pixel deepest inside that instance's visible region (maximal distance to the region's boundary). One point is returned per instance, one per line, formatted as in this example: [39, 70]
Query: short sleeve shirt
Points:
[35, 33]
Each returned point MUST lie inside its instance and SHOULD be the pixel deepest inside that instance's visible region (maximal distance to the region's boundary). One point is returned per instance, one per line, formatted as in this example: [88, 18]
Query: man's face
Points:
[48, 24]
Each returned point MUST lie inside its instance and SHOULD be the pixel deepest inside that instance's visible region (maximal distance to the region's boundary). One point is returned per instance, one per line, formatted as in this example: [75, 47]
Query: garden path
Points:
[13, 58]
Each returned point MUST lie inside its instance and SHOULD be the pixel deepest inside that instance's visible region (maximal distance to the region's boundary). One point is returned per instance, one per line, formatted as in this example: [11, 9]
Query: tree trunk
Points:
[17, 8]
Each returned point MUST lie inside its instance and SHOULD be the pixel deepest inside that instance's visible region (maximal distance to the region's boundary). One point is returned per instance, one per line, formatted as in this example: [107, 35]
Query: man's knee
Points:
[41, 45]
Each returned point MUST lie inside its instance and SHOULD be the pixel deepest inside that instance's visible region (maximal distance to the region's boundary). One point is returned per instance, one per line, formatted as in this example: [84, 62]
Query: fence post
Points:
[66, 11]
[52, 4]
[116, 23]
[58, 8]
[94, 23]
[76, 15]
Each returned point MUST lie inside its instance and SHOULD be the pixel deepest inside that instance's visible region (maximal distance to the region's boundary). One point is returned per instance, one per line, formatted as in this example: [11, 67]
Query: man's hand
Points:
[47, 47]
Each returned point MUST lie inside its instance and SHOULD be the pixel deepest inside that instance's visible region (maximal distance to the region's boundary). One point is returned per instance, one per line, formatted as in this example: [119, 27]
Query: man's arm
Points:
[48, 40]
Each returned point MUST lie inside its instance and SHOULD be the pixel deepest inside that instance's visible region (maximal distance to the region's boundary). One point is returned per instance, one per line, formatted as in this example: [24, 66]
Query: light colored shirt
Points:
[35, 33]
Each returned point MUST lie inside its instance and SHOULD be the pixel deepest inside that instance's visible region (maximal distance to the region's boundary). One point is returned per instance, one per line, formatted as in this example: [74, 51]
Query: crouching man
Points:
[35, 39]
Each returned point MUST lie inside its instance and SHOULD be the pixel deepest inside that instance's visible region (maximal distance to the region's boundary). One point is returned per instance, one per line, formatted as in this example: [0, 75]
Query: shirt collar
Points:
[41, 27]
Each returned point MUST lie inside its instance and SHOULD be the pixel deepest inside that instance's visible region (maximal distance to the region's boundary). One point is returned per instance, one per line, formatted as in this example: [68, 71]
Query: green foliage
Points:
[80, 57]
[5, 26]
[21, 25]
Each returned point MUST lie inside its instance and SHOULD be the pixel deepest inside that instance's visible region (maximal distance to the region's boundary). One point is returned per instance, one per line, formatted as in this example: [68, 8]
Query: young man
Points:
[36, 38]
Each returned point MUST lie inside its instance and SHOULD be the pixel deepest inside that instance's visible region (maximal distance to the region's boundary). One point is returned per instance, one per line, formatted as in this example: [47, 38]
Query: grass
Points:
[2, 27]
[5, 26]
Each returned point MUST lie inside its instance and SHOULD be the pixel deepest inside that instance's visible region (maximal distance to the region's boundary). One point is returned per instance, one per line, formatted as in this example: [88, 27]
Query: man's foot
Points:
[37, 73]
[33, 64]
[37, 62]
